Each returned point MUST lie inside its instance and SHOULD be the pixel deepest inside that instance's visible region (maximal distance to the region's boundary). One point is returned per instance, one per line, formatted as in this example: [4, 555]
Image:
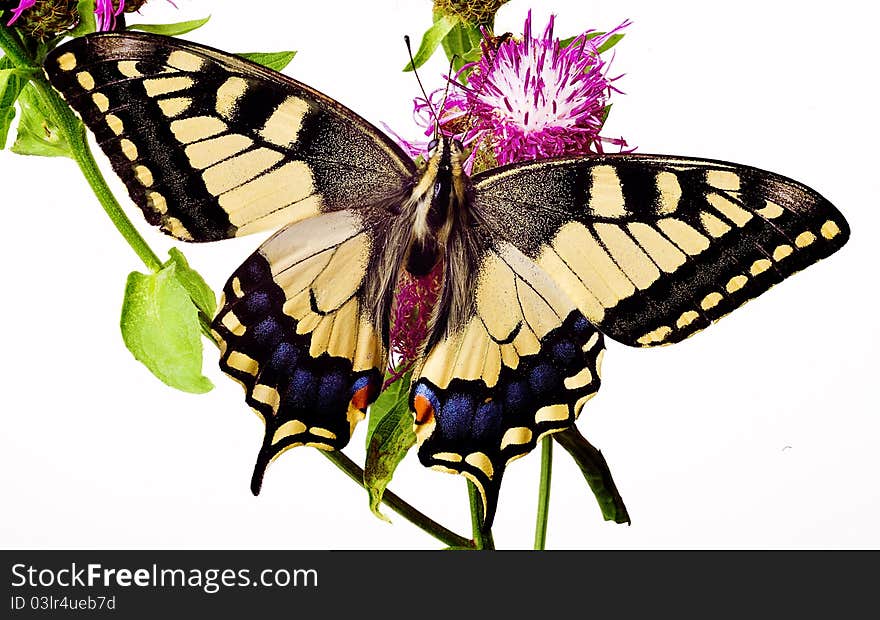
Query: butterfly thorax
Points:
[439, 201]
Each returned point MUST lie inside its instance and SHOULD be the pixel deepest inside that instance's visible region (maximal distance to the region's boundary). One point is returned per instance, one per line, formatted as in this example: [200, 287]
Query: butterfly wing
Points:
[518, 360]
[211, 146]
[298, 329]
[653, 248]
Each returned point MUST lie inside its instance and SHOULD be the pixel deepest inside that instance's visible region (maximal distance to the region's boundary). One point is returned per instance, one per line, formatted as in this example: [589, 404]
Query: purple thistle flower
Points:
[528, 98]
[22, 6]
[106, 14]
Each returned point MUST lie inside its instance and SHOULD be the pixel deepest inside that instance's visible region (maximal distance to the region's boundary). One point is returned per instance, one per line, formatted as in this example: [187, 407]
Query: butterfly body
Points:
[538, 261]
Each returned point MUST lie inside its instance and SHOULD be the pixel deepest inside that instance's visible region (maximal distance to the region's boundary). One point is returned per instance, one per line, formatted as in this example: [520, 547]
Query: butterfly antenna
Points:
[418, 79]
[448, 80]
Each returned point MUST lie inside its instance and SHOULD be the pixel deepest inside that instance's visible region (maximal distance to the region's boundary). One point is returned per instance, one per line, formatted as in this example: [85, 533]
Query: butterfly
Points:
[539, 260]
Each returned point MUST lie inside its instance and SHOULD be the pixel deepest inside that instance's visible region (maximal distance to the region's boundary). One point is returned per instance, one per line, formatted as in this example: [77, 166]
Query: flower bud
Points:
[477, 12]
[42, 20]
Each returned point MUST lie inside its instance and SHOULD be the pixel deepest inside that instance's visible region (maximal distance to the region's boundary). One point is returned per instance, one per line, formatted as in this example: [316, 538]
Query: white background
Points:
[759, 433]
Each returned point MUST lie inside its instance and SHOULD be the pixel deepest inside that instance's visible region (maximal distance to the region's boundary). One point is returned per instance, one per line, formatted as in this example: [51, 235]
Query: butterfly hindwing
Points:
[297, 329]
[655, 248]
[521, 362]
[211, 146]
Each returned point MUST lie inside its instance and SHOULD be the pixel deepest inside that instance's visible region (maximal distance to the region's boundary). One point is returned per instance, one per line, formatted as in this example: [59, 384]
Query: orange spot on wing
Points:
[364, 396]
[424, 409]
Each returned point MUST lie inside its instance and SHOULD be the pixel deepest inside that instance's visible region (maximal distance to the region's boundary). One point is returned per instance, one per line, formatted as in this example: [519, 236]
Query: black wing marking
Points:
[521, 364]
[211, 145]
[655, 248]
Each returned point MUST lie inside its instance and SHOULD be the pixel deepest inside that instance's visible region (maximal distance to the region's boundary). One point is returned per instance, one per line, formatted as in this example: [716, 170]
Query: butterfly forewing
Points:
[212, 146]
[653, 248]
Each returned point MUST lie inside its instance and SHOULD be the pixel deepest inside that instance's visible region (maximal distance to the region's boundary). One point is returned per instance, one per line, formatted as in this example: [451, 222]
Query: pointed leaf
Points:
[87, 22]
[596, 471]
[199, 291]
[389, 438]
[431, 40]
[273, 60]
[386, 402]
[37, 134]
[391, 441]
[160, 326]
[463, 42]
[171, 30]
[613, 40]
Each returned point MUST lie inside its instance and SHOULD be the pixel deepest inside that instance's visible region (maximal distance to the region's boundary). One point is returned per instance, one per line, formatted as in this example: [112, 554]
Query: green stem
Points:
[544, 493]
[482, 536]
[398, 505]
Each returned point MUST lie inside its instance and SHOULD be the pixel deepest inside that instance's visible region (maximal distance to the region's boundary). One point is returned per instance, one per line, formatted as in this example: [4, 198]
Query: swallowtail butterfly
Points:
[540, 260]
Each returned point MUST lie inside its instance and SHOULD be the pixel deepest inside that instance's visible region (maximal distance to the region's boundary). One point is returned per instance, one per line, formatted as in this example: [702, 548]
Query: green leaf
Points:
[386, 402]
[431, 40]
[37, 134]
[613, 40]
[463, 43]
[171, 30]
[160, 326]
[87, 22]
[389, 437]
[12, 81]
[596, 472]
[196, 287]
[273, 60]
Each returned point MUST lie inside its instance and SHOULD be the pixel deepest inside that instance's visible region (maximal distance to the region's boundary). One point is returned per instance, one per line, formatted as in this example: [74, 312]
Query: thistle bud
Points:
[476, 12]
[41, 20]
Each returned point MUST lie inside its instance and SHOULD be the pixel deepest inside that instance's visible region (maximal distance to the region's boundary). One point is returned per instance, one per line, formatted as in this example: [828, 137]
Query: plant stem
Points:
[544, 493]
[399, 506]
[482, 537]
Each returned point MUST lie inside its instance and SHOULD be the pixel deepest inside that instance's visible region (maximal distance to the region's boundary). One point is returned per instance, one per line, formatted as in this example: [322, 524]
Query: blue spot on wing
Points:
[516, 397]
[267, 333]
[565, 351]
[301, 390]
[333, 390]
[257, 303]
[456, 416]
[543, 378]
[487, 423]
[283, 358]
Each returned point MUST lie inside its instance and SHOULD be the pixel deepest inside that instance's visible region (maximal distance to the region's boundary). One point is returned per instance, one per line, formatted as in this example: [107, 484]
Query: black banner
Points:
[169, 584]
